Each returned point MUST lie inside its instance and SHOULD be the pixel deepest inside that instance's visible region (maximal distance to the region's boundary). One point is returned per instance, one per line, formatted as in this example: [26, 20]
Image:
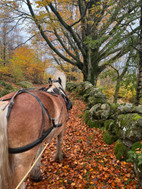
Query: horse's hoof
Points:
[36, 179]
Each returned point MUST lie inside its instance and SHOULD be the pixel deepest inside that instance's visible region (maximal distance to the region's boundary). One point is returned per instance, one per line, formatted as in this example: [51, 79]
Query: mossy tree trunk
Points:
[139, 85]
[91, 69]
[119, 79]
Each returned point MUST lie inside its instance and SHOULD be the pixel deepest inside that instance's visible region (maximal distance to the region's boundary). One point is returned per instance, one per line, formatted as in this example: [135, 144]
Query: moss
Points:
[91, 123]
[109, 125]
[121, 151]
[25, 84]
[108, 138]
[71, 86]
[92, 101]
[136, 145]
[85, 97]
[86, 116]
[6, 88]
[136, 117]
[99, 123]
[114, 106]
[2, 83]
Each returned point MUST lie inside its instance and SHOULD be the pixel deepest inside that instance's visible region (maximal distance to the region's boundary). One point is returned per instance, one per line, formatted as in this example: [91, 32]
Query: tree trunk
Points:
[116, 91]
[139, 86]
[90, 73]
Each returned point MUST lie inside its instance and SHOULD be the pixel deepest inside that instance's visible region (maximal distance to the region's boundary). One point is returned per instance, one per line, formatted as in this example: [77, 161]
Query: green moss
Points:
[121, 151]
[80, 91]
[114, 106]
[25, 84]
[2, 83]
[86, 116]
[99, 123]
[85, 97]
[136, 145]
[108, 138]
[109, 125]
[6, 88]
[92, 101]
[91, 123]
[136, 117]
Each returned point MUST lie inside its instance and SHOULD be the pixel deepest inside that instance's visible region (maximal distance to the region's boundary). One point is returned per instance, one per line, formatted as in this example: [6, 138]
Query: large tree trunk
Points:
[139, 86]
[91, 70]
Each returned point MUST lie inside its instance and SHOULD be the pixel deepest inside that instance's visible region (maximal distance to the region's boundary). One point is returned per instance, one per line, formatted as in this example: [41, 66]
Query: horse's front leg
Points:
[59, 153]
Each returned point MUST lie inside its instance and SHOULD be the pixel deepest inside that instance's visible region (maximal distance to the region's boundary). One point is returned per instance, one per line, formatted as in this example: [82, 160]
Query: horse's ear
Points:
[50, 81]
[60, 81]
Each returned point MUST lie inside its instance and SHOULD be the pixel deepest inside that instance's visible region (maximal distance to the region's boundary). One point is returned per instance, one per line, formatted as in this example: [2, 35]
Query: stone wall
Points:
[121, 123]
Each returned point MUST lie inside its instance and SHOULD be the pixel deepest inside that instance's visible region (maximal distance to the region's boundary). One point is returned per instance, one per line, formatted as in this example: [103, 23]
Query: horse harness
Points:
[44, 111]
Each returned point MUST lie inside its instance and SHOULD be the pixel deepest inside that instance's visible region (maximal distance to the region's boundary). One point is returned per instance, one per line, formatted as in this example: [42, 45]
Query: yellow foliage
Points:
[126, 95]
[4, 70]
[25, 64]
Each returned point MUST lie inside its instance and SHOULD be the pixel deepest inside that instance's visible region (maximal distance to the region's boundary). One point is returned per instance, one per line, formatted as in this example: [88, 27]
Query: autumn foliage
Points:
[25, 64]
[90, 163]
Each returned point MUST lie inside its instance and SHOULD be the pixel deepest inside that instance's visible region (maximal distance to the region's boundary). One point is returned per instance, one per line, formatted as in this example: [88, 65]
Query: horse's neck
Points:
[62, 76]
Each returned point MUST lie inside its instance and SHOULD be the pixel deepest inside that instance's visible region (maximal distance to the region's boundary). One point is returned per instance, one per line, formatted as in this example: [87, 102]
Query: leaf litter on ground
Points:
[89, 162]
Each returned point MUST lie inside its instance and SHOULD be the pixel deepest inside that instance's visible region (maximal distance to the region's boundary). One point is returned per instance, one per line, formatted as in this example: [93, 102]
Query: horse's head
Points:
[58, 82]
[58, 85]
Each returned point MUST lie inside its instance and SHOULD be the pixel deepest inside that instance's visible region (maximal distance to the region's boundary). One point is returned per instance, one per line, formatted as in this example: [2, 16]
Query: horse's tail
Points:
[58, 74]
[4, 157]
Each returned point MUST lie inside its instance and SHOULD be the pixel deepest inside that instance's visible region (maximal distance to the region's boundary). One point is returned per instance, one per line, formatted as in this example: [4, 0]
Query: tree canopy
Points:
[87, 34]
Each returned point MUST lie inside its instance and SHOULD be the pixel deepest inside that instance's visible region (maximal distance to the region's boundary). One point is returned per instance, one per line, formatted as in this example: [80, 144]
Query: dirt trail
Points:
[90, 163]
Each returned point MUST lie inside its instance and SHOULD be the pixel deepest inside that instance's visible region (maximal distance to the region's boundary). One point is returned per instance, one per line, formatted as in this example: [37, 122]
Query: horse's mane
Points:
[61, 75]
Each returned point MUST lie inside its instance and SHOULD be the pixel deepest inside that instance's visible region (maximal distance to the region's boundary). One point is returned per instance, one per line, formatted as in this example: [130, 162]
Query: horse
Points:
[29, 117]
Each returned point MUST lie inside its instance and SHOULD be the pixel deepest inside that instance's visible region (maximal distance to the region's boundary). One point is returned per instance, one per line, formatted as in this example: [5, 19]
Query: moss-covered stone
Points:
[92, 100]
[108, 138]
[110, 125]
[121, 151]
[85, 97]
[114, 106]
[100, 111]
[129, 127]
[71, 86]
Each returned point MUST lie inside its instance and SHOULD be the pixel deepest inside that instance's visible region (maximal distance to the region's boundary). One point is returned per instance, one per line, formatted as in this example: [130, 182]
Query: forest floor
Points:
[90, 163]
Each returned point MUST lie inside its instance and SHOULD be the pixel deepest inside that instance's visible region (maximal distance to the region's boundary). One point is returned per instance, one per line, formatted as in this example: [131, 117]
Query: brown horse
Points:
[27, 118]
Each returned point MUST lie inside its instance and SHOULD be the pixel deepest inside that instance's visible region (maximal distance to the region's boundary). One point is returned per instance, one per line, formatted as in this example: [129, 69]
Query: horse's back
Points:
[25, 123]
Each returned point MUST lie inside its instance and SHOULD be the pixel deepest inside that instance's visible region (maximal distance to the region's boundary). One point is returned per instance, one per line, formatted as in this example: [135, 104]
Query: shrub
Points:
[6, 88]
[135, 154]
[108, 138]
[121, 151]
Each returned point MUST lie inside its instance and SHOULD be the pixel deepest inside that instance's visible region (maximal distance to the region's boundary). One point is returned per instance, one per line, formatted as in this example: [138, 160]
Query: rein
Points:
[31, 167]
[44, 110]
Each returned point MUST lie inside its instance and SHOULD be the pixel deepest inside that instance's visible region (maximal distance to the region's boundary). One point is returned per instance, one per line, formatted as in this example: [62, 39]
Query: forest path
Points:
[90, 163]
